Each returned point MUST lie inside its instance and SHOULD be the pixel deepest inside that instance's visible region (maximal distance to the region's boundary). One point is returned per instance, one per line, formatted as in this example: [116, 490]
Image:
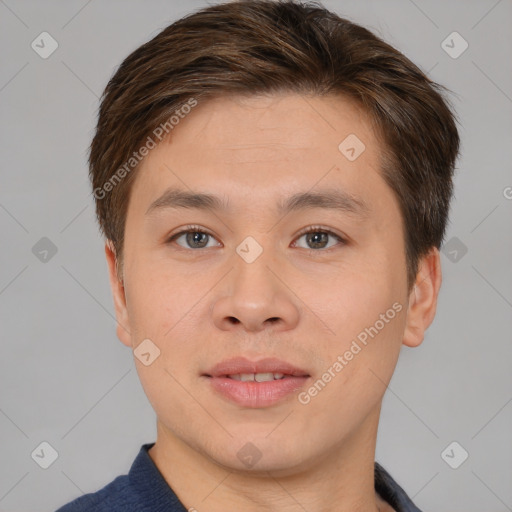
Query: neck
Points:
[341, 479]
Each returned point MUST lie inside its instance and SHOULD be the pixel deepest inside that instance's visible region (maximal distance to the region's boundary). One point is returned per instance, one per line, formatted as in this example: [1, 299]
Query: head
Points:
[256, 102]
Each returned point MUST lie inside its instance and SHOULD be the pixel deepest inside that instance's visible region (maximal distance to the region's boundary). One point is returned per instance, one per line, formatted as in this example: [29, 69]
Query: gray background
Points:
[67, 380]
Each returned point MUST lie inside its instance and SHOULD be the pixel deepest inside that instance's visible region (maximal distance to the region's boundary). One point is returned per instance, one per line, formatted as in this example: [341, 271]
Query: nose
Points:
[254, 297]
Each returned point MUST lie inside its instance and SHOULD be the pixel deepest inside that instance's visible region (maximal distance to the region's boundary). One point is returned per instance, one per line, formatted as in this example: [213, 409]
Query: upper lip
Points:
[238, 365]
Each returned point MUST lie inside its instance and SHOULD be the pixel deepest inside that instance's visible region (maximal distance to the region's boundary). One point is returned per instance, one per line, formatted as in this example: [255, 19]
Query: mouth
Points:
[255, 384]
[257, 377]
[262, 369]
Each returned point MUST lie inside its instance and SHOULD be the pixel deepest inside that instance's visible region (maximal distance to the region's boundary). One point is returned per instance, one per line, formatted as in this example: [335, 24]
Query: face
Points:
[235, 293]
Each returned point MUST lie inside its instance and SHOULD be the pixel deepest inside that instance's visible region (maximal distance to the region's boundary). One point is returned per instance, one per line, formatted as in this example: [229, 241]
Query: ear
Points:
[118, 293]
[423, 298]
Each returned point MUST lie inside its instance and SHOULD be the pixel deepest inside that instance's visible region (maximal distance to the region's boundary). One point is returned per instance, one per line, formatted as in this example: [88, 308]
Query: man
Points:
[273, 183]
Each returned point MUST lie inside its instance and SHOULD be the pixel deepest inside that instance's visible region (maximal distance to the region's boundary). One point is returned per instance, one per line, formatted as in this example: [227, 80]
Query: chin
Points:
[260, 455]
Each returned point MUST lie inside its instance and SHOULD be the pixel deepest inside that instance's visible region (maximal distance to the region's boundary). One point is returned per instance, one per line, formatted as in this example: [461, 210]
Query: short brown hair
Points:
[265, 46]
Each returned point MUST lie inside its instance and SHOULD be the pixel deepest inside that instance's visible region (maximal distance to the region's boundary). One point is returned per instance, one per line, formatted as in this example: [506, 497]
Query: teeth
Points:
[257, 377]
[263, 377]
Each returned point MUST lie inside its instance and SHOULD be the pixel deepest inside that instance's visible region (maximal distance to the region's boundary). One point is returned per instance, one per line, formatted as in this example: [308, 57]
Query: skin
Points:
[255, 151]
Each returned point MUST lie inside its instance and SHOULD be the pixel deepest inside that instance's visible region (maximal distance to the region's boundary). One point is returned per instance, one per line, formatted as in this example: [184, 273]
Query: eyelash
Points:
[310, 229]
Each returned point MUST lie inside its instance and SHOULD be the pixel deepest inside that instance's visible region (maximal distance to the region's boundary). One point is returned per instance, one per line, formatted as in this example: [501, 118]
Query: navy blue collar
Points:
[151, 487]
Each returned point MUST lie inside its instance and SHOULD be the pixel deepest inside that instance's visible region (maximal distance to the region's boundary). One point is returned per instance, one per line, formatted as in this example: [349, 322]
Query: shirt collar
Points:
[151, 487]
[149, 484]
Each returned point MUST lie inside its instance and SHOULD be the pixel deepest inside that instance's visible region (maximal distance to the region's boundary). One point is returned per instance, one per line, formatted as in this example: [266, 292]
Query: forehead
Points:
[283, 121]
[259, 146]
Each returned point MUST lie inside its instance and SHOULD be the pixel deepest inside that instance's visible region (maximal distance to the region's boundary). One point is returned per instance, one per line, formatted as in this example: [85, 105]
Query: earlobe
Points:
[423, 298]
[118, 294]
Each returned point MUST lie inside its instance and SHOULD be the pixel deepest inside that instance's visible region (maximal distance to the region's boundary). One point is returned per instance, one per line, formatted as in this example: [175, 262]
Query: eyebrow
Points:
[331, 199]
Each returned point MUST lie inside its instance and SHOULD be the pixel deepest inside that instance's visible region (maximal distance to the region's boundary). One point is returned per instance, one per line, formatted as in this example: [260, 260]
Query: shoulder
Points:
[143, 489]
[115, 496]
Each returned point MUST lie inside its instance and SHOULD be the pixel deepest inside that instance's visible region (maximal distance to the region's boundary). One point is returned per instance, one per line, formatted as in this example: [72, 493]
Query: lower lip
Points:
[256, 394]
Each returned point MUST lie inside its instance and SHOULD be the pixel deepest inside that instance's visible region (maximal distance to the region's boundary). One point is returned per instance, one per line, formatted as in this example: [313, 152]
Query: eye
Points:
[195, 237]
[317, 237]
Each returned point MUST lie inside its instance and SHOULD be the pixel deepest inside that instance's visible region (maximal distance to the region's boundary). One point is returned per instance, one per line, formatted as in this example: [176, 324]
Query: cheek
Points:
[357, 369]
[164, 309]
[354, 298]
[161, 300]
[366, 312]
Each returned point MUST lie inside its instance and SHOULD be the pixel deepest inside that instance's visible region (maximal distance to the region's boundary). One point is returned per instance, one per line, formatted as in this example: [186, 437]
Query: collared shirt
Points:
[144, 489]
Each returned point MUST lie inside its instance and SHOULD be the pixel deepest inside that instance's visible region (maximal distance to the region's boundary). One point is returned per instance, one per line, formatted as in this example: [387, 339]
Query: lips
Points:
[242, 366]
[255, 384]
